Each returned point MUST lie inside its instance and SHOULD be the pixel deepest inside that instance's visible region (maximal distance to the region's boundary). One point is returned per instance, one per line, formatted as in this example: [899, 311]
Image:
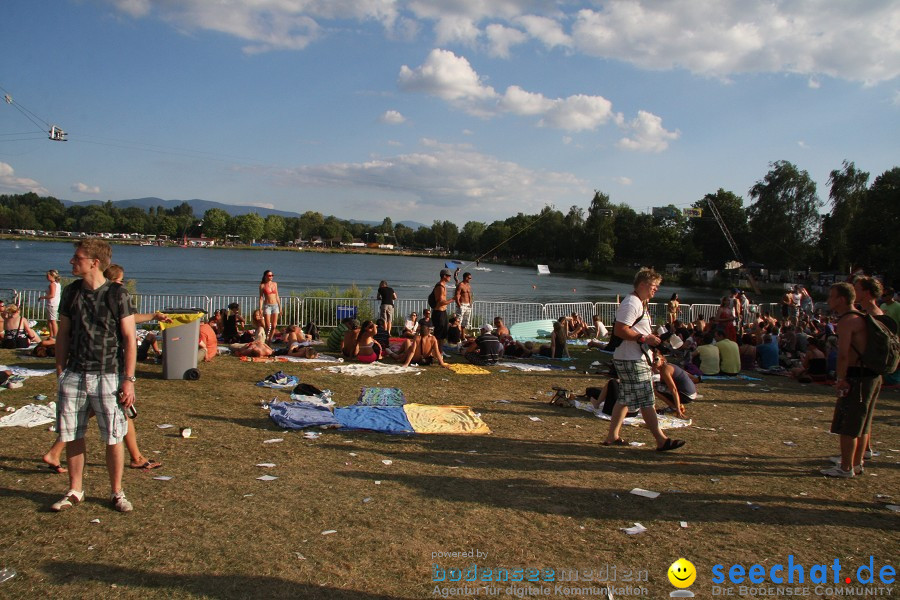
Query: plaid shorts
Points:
[81, 392]
[637, 383]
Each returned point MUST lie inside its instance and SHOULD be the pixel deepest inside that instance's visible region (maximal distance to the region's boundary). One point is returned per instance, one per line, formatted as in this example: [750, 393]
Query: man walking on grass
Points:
[95, 362]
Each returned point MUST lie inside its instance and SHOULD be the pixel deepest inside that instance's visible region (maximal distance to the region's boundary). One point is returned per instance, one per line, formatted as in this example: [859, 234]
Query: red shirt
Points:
[208, 336]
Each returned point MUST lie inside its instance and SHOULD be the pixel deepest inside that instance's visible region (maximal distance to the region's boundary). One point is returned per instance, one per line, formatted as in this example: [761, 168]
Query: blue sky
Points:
[434, 109]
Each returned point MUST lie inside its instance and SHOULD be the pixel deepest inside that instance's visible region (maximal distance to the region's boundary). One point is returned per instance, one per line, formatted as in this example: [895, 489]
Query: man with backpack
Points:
[96, 353]
[438, 302]
[864, 349]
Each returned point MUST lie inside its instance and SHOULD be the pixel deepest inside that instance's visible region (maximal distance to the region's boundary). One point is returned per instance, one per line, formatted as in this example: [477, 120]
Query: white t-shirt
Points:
[628, 312]
[57, 289]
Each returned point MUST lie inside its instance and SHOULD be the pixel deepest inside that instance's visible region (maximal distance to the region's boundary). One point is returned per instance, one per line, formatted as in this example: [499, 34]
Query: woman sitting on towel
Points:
[17, 332]
[424, 350]
[367, 349]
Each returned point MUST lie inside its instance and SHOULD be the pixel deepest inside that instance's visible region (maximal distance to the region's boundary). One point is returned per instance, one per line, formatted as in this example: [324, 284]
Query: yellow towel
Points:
[463, 369]
[444, 419]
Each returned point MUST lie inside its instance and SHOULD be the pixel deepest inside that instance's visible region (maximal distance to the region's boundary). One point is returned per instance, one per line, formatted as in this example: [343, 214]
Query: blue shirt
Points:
[767, 355]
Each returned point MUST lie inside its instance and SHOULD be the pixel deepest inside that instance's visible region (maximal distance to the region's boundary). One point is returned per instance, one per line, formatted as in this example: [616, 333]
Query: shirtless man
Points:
[857, 388]
[439, 316]
[463, 299]
[424, 350]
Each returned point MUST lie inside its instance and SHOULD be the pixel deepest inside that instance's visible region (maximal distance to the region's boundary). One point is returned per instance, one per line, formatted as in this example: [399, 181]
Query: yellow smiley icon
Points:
[682, 573]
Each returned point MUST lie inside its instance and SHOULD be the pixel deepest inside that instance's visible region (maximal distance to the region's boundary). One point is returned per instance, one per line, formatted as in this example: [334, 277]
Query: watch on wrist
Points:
[641, 339]
[130, 378]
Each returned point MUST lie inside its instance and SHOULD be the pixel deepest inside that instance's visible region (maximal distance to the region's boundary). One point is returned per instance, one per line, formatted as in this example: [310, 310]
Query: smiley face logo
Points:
[682, 573]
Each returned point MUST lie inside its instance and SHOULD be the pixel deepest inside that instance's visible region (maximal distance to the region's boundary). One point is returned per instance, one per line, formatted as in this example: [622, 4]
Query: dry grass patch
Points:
[533, 494]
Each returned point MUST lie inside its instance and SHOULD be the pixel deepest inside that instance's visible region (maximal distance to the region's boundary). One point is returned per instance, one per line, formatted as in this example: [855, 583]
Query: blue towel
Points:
[385, 419]
[731, 377]
[297, 415]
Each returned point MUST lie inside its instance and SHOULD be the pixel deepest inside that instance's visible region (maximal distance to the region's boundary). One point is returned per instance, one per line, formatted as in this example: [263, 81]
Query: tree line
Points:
[782, 227]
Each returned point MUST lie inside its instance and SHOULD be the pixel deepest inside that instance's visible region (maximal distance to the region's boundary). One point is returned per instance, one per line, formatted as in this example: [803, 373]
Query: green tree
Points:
[873, 232]
[250, 227]
[848, 189]
[274, 228]
[706, 237]
[599, 231]
[470, 237]
[784, 219]
[215, 223]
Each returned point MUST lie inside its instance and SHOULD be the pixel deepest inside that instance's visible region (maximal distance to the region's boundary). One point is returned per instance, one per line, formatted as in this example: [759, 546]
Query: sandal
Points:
[150, 464]
[618, 442]
[58, 469]
[670, 444]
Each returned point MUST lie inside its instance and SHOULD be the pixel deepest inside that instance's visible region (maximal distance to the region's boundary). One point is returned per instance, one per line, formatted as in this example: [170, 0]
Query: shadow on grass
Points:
[198, 585]
[617, 504]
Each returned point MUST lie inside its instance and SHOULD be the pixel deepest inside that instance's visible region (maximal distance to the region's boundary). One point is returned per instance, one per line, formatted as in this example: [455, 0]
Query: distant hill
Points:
[201, 206]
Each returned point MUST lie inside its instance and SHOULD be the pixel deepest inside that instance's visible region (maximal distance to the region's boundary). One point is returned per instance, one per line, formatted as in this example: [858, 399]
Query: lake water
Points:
[222, 271]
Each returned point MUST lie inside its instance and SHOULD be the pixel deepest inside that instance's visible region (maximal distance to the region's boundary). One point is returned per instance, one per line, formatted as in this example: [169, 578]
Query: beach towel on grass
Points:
[526, 366]
[31, 415]
[298, 415]
[384, 419]
[445, 419]
[731, 377]
[378, 396]
[279, 381]
[372, 370]
[665, 421]
[468, 370]
[27, 372]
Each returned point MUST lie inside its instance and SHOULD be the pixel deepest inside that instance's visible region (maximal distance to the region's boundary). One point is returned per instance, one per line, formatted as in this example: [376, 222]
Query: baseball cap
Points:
[446, 273]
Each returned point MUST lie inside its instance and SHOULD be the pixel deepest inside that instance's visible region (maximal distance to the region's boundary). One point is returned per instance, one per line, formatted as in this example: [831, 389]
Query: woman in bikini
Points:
[269, 303]
[424, 350]
[367, 349]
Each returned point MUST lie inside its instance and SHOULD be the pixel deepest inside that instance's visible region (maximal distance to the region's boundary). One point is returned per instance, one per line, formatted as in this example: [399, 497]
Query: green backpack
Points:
[333, 342]
[882, 351]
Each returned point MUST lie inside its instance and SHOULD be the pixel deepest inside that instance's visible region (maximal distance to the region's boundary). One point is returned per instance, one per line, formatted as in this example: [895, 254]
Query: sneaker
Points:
[870, 453]
[859, 470]
[68, 501]
[837, 471]
[121, 503]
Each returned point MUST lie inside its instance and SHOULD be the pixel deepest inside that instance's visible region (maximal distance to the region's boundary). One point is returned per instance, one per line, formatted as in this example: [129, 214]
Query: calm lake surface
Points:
[222, 271]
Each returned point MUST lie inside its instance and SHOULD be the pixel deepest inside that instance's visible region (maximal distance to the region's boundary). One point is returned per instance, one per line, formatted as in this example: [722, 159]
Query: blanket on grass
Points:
[445, 419]
[270, 359]
[27, 372]
[31, 415]
[299, 415]
[372, 370]
[378, 396]
[665, 421]
[461, 369]
[731, 377]
[384, 419]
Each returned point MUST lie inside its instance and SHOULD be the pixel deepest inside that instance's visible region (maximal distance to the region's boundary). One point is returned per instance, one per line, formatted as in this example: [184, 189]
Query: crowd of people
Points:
[94, 339]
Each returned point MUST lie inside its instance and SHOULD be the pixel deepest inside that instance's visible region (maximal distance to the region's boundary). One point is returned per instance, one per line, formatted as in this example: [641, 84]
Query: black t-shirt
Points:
[454, 335]
[489, 345]
[386, 295]
[382, 337]
[94, 336]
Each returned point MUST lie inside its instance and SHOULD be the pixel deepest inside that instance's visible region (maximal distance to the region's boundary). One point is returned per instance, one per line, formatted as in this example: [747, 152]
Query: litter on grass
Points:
[644, 493]
[329, 531]
[265, 465]
[388, 462]
[311, 435]
[162, 478]
[164, 426]
[893, 507]
[638, 528]
[683, 524]
[267, 478]
[95, 520]
[535, 418]
[273, 441]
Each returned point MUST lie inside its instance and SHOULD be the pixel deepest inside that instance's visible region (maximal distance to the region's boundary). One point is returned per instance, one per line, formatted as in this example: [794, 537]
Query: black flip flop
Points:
[618, 442]
[670, 444]
[58, 469]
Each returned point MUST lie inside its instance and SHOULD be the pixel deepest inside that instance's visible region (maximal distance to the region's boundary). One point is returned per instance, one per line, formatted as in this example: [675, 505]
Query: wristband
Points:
[641, 339]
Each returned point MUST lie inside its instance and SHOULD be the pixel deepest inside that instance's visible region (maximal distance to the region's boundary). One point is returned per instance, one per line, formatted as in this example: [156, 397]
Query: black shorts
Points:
[853, 412]
[441, 323]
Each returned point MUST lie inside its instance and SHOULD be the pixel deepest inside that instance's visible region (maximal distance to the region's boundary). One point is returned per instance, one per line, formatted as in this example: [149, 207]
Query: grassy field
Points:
[534, 494]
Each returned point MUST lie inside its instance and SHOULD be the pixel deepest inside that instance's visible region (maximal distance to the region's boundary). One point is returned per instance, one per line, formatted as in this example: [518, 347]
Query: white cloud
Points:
[451, 78]
[392, 117]
[83, 188]
[849, 40]
[546, 30]
[647, 134]
[447, 76]
[445, 175]
[896, 100]
[814, 83]
[856, 41]
[9, 182]
[567, 140]
[624, 180]
[501, 39]
[803, 145]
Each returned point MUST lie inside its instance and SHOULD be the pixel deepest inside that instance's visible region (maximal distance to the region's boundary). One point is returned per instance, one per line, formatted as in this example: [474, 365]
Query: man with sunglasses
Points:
[96, 353]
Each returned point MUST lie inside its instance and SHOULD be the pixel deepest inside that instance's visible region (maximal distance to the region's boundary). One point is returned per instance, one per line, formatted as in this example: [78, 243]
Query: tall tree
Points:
[250, 227]
[706, 237]
[215, 223]
[784, 219]
[873, 232]
[848, 189]
[599, 231]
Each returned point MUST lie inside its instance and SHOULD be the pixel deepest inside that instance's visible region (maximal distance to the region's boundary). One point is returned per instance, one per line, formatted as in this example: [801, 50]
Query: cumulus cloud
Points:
[452, 78]
[813, 83]
[9, 182]
[856, 41]
[83, 188]
[501, 39]
[444, 175]
[646, 134]
[392, 117]
[624, 180]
